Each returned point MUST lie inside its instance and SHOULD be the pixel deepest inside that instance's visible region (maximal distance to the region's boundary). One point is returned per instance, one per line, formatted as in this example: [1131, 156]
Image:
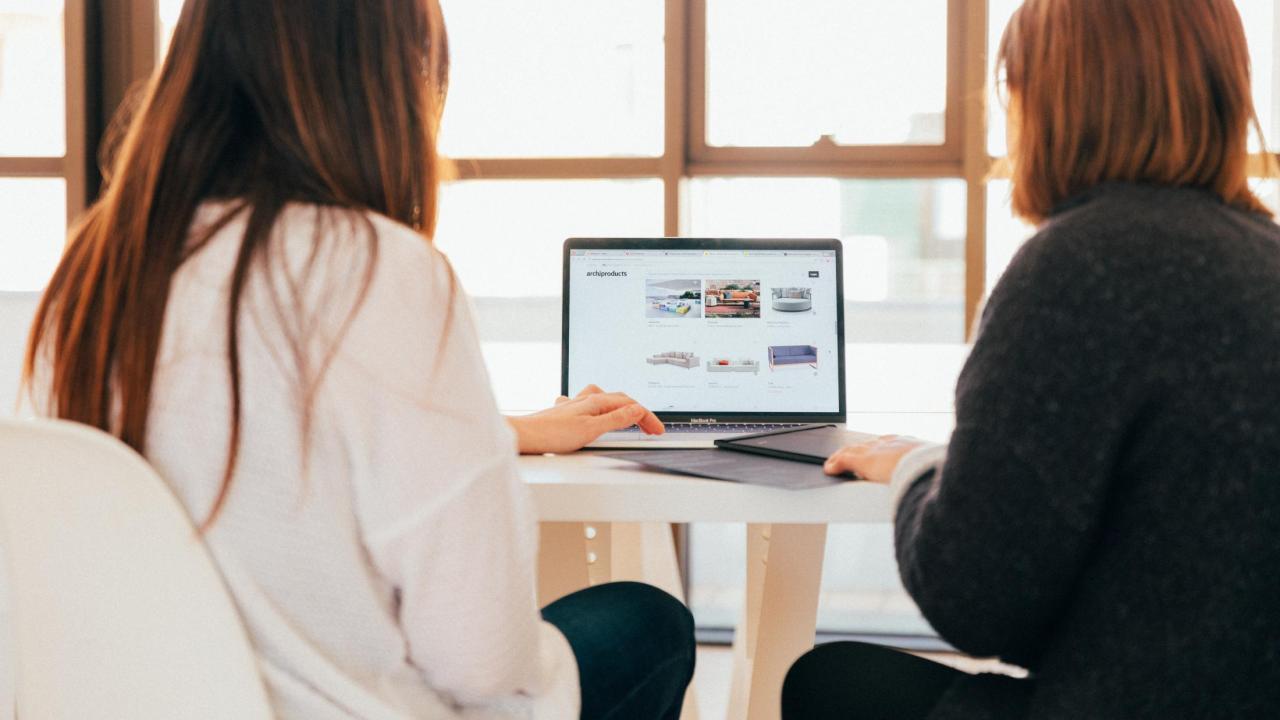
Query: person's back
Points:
[1106, 512]
[1156, 474]
[1178, 597]
[402, 495]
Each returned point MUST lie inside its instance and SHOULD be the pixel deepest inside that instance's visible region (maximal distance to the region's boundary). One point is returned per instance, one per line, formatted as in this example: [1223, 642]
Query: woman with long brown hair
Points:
[255, 306]
[1107, 512]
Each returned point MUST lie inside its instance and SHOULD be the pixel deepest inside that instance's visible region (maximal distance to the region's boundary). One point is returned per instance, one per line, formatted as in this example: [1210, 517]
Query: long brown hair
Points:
[1148, 91]
[334, 103]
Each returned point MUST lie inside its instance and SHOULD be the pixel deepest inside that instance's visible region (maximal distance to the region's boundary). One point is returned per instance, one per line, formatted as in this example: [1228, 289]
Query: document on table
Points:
[733, 467]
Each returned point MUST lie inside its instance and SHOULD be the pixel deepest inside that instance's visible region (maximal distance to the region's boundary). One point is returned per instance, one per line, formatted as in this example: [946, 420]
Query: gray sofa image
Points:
[724, 365]
[792, 299]
[685, 360]
[792, 355]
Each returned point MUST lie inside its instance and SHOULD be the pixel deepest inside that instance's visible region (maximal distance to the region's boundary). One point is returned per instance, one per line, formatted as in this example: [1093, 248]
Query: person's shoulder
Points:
[1151, 220]
[408, 264]
[353, 241]
[307, 223]
[400, 241]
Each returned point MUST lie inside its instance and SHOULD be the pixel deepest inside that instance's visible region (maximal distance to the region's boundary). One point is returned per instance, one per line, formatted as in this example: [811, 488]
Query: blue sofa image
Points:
[792, 355]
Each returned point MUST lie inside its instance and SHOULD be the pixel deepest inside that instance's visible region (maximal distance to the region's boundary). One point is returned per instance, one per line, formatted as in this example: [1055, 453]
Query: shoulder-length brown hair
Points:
[334, 103]
[1144, 91]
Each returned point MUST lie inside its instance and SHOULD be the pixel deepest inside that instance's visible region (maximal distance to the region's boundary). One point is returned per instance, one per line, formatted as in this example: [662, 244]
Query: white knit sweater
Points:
[391, 574]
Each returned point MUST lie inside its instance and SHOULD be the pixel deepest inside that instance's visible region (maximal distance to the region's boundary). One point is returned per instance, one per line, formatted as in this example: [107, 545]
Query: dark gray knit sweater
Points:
[1108, 514]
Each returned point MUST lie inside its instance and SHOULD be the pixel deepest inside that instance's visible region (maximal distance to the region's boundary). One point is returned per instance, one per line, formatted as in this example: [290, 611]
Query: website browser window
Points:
[707, 331]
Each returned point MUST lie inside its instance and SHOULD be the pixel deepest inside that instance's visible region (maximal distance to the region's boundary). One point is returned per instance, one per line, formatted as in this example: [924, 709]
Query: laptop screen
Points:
[717, 328]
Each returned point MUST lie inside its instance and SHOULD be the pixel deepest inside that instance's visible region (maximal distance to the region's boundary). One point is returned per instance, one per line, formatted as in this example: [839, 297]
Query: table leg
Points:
[646, 552]
[562, 560]
[784, 574]
[573, 556]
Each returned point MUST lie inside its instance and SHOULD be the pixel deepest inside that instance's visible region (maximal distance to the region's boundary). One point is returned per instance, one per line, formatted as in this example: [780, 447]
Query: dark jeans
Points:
[635, 649]
[858, 681]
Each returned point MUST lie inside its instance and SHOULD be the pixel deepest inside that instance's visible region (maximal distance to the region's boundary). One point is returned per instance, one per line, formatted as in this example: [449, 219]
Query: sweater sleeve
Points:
[446, 519]
[989, 546]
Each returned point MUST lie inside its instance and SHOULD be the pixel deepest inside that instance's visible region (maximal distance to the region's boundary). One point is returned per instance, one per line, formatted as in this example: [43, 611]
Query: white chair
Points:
[116, 609]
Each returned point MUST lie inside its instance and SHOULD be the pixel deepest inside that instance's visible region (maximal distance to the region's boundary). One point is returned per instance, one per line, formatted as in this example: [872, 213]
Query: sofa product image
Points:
[726, 365]
[685, 360]
[673, 306]
[792, 299]
[731, 297]
[792, 355]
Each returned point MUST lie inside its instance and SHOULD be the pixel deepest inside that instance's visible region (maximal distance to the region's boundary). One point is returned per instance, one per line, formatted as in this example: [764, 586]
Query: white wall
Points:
[16, 311]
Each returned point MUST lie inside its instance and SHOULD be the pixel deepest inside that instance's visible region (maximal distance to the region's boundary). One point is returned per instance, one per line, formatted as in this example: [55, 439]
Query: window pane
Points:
[1260, 19]
[785, 74]
[554, 78]
[33, 213]
[1268, 191]
[1260, 23]
[1005, 233]
[903, 243]
[504, 236]
[169, 11]
[32, 79]
[998, 14]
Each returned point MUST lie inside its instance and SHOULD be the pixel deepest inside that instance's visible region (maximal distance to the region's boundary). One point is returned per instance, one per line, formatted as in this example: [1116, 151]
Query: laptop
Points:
[718, 337]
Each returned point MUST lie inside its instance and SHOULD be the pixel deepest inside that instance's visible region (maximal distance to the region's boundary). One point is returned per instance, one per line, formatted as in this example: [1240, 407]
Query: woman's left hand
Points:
[874, 460]
[573, 423]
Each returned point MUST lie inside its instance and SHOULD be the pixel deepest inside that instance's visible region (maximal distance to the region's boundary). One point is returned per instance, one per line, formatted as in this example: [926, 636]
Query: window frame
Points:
[949, 152]
[72, 166]
[686, 155]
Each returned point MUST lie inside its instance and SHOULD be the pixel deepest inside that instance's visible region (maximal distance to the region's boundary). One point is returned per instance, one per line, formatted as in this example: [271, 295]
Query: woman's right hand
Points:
[574, 422]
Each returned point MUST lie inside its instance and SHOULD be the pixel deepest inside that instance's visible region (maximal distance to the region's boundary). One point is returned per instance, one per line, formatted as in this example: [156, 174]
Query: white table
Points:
[605, 519]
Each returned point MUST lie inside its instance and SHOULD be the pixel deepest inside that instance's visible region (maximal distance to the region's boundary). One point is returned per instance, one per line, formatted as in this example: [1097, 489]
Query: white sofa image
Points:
[792, 299]
[685, 360]
[727, 365]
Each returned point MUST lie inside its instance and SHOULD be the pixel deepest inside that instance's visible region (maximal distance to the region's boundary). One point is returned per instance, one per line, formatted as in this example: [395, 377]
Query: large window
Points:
[817, 118]
[41, 148]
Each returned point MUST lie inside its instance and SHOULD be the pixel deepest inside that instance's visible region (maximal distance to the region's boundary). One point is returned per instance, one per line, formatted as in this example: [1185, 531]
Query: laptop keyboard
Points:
[728, 428]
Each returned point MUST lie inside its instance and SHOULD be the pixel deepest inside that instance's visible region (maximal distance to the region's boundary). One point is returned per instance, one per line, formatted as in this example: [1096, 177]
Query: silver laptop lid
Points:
[710, 330]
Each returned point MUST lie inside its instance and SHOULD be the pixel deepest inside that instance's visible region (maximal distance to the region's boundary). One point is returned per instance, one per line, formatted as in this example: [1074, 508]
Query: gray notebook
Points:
[733, 467]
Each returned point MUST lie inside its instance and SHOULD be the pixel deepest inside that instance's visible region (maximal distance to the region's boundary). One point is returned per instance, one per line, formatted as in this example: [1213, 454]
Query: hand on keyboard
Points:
[573, 423]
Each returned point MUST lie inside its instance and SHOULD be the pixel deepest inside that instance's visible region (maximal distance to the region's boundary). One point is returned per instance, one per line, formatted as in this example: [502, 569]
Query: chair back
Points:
[115, 609]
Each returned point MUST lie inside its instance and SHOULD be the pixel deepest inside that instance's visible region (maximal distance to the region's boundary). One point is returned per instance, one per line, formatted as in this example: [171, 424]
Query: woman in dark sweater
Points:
[1107, 512]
